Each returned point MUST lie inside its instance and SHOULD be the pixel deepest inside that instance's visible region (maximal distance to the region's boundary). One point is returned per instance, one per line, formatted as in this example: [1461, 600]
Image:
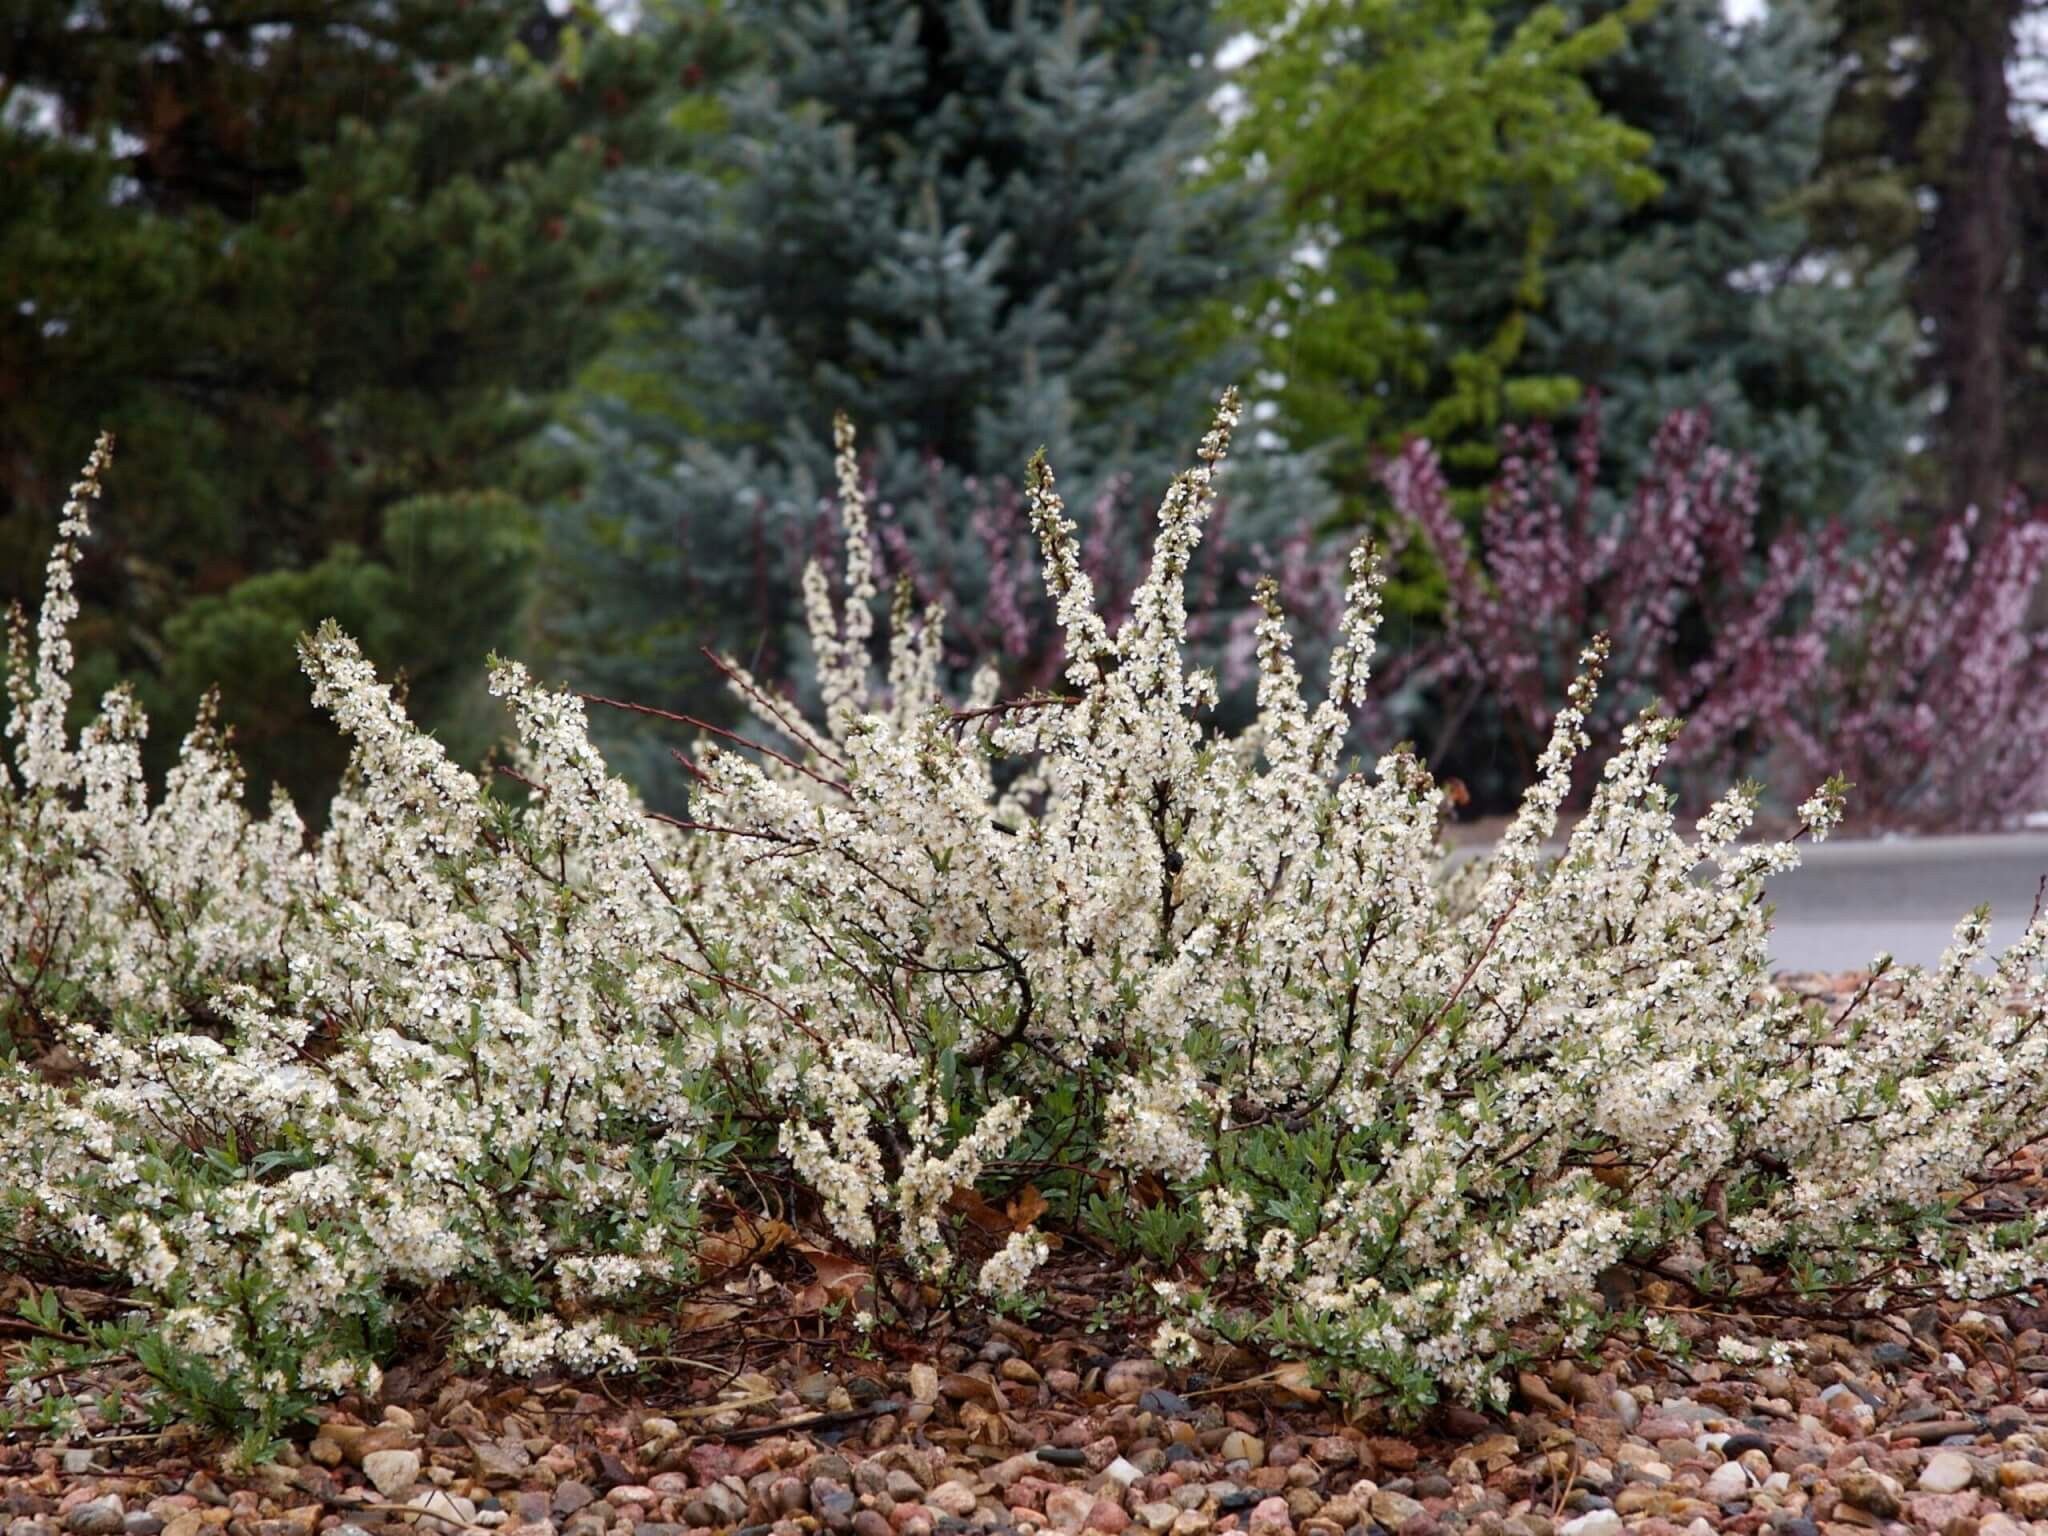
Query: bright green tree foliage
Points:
[1383, 119]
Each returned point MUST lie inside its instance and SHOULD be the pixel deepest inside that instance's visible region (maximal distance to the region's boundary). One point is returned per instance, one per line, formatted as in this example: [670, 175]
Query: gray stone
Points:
[1687, 1411]
[950, 1498]
[1171, 1404]
[1067, 1508]
[1627, 1409]
[392, 1472]
[833, 1502]
[1239, 1446]
[1729, 1483]
[719, 1505]
[100, 1517]
[830, 1465]
[1393, 1510]
[1947, 1472]
[531, 1507]
[816, 1389]
[572, 1496]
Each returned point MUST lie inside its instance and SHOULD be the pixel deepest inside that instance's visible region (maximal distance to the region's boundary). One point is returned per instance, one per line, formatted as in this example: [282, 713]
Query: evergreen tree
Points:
[1930, 157]
[312, 260]
[1715, 292]
[973, 228]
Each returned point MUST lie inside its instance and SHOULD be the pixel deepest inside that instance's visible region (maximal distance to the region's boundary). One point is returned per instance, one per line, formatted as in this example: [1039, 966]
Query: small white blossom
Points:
[1174, 1345]
[1010, 1269]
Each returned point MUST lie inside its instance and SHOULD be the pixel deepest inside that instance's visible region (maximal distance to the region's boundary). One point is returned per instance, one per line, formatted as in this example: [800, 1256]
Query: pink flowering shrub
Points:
[1915, 668]
[486, 1058]
[1934, 700]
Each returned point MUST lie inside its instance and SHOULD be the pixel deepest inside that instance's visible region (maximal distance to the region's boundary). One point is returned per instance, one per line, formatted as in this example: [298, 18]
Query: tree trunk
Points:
[1973, 248]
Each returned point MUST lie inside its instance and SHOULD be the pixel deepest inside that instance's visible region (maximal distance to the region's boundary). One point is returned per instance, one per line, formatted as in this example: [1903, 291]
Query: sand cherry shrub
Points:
[305, 1084]
[491, 1056]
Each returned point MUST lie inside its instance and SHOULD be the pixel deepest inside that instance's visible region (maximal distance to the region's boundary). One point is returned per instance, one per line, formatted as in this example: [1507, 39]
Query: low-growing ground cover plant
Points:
[498, 1058]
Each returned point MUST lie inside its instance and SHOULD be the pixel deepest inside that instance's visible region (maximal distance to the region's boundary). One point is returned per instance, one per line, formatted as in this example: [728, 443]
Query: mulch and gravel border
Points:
[1937, 1421]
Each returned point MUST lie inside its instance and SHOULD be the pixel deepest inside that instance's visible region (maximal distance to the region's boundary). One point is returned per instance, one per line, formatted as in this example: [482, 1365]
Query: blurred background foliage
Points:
[500, 324]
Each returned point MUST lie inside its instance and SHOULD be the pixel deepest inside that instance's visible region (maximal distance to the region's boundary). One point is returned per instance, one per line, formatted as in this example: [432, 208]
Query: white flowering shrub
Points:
[485, 1056]
[438, 1047]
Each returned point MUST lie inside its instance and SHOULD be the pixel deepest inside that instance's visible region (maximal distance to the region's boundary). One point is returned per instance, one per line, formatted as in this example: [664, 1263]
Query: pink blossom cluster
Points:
[1913, 665]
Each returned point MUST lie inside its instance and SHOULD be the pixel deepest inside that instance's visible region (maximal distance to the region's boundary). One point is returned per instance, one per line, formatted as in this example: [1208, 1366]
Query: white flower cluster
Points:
[1010, 1269]
[485, 1046]
[313, 1078]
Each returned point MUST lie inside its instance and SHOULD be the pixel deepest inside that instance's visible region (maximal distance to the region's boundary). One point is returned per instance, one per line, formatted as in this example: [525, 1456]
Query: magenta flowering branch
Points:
[1914, 667]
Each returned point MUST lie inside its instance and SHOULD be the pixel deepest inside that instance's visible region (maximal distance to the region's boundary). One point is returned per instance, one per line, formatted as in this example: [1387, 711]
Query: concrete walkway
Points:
[1850, 900]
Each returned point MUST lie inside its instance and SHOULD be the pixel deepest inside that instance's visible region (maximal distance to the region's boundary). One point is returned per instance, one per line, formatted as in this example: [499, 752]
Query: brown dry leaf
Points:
[968, 1202]
[983, 1426]
[1149, 1190]
[748, 1238]
[755, 1285]
[837, 1278]
[1294, 1380]
[1607, 1168]
[694, 1315]
[963, 1386]
[1025, 1207]
[908, 1300]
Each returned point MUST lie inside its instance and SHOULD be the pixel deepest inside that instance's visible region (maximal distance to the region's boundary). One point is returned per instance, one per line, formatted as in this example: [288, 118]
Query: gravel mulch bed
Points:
[1935, 1422]
[1937, 1426]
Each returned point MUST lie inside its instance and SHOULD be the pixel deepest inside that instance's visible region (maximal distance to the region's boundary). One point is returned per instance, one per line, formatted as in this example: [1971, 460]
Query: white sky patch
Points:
[1237, 50]
[2029, 72]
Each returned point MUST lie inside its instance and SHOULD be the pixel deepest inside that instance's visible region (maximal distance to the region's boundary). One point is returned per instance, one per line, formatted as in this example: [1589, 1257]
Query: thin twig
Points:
[718, 730]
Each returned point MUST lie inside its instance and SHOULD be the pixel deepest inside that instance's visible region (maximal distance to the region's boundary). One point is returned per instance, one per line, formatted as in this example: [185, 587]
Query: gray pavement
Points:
[1850, 900]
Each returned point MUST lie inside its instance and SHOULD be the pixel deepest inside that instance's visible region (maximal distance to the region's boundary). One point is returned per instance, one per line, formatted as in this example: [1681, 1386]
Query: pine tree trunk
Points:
[1975, 253]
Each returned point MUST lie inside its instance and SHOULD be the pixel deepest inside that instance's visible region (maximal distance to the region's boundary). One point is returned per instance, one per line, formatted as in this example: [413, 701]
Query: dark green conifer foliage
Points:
[974, 226]
[1716, 292]
[322, 265]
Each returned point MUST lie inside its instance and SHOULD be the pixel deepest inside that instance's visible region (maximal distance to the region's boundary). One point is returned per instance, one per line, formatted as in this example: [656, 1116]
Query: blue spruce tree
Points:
[1717, 291]
[977, 230]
